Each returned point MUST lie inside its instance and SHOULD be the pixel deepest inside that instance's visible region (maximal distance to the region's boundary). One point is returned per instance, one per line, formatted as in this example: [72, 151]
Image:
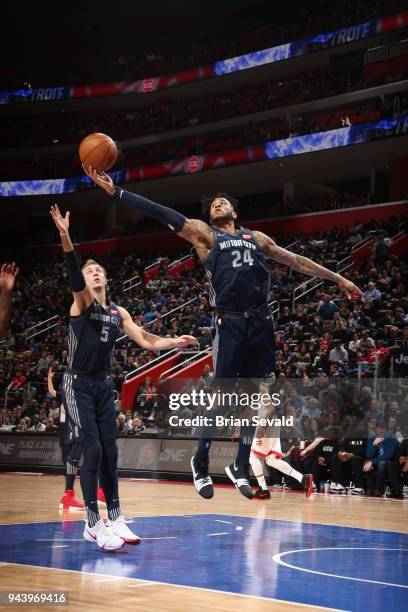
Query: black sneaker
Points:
[240, 477]
[262, 494]
[307, 484]
[202, 481]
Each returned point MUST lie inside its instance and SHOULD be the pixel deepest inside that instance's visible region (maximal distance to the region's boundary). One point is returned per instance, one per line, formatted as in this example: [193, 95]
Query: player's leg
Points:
[79, 402]
[106, 421]
[226, 363]
[256, 462]
[256, 348]
[71, 454]
[306, 480]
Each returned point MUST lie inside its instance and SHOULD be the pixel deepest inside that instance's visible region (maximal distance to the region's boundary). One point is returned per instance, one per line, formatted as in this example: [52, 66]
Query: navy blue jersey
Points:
[91, 338]
[237, 271]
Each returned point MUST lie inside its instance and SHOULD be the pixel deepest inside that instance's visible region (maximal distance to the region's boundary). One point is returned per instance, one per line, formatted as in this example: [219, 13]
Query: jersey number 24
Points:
[239, 257]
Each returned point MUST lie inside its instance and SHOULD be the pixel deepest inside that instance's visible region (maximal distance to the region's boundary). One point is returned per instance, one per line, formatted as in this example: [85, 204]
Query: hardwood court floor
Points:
[208, 531]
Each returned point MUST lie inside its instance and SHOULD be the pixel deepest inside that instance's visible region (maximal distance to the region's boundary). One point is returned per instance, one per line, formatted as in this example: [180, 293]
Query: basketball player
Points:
[8, 275]
[238, 273]
[87, 390]
[71, 454]
[266, 447]
[67, 501]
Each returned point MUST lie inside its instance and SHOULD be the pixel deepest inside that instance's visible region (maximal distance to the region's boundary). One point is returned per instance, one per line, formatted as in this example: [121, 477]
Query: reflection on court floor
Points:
[321, 565]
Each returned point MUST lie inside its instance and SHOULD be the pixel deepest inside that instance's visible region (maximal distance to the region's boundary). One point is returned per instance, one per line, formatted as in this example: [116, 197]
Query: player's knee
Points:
[110, 451]
[92, 454]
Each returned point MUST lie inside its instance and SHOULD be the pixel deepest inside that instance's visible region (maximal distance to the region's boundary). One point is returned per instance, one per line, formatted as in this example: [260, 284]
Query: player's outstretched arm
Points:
[150, 341]
[8, 275]
[83, 297]
[303, 264]
[195, 231]
[50, 384]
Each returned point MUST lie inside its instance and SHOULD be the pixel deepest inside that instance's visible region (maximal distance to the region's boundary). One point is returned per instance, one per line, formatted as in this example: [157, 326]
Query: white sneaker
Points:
[357, 491]
[405, 491]
[103, 536]
[336, 487]
[121, 530]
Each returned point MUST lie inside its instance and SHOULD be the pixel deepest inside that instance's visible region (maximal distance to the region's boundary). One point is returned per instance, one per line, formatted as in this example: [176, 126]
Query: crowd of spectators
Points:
[203, 142]
[328, 349]
[137, 52]
[172, 113]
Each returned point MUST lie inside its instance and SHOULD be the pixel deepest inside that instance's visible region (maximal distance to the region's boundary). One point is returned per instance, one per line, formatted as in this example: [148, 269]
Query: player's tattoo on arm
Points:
[199, 234]
[301, 264]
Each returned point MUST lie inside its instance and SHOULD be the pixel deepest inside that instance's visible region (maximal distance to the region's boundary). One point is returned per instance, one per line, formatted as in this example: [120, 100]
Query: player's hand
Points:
[347, 287]
[367, 466]
[184, 341]
[101, 179]
[62, 223]
[8, 275]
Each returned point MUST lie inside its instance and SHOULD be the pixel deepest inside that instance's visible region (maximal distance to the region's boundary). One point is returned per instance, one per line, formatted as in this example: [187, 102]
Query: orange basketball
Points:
[99, 151]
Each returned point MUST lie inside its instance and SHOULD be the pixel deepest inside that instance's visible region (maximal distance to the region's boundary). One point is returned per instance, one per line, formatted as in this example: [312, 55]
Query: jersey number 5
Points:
[105, 333]
[238, 258]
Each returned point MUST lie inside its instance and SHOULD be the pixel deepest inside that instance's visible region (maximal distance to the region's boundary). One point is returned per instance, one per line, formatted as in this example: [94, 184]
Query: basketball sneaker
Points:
[307, 484]
[240, 477]
[119, 528]
[68, 502]
[202, 481]
[101, 497]
[262, 494]
[357, 491]
[102, 535]
[336, 487]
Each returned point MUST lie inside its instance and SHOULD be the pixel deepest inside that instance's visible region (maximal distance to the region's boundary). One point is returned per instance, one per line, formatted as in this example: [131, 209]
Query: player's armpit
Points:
[82, 301]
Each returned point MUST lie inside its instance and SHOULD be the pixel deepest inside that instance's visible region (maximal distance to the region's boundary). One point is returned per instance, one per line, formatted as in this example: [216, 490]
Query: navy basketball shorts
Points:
[244, 348]
[90, 408]
[64, 447]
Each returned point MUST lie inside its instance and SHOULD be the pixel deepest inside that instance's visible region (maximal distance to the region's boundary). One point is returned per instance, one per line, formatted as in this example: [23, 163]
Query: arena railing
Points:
[30, 333]
[194, 356]
[131, 283]
[166, 314]
[147, 365]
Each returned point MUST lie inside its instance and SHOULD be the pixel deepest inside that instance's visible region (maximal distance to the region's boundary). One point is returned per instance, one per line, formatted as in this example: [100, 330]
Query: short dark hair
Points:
[206, 202]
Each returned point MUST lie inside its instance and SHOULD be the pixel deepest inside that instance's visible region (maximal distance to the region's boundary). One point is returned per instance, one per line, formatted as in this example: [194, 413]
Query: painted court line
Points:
[183, 586]
[278, 559]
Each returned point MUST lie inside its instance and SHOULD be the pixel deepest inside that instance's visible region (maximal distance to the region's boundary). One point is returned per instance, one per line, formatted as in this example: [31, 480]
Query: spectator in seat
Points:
[374, 411]
[372, 294]
[326, 308]
[338, 354]
[366, 343]
[207, 377]
[319, 462]
[37, 425]
[146, 399]
[402, 458]
[50, 425]
[380, 251]
[347, 464]
[121, 422]
[382, 449]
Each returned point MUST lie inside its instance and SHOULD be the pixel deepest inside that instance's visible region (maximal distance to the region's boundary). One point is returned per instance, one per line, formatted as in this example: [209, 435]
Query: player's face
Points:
[95, 276]
[222, 211]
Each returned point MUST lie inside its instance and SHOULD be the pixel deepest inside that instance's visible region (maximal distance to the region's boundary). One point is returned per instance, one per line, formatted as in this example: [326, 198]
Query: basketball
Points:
[99, 151]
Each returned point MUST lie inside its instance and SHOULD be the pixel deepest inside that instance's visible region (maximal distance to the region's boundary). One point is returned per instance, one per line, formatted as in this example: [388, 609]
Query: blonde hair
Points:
[91, 262]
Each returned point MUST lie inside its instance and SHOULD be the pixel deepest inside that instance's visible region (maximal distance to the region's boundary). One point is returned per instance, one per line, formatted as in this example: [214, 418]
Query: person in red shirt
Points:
[18, 380]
